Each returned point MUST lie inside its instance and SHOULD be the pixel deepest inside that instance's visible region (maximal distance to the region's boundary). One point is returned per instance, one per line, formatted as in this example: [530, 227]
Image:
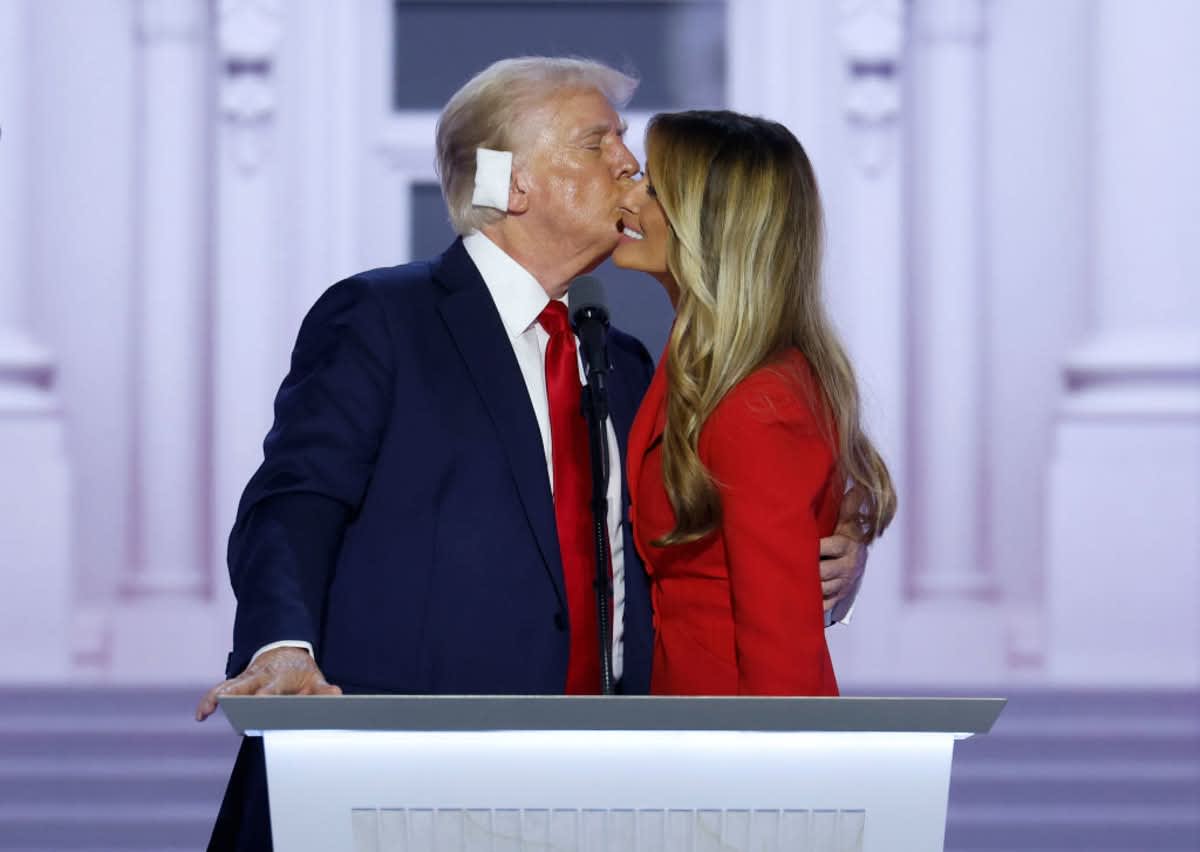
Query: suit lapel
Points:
[622, 406]
[474, 324]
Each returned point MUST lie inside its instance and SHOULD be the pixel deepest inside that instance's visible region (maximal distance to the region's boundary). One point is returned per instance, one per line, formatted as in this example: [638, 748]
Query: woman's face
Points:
[643, 241]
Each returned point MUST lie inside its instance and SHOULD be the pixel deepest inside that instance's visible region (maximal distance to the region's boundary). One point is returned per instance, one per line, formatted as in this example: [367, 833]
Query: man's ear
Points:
[518, 191]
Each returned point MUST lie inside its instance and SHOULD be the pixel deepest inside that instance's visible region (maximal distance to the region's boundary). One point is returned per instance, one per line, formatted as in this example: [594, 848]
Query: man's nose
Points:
[627, 163]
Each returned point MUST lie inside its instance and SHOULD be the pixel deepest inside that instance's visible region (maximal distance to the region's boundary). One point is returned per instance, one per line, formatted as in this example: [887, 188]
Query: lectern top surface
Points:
[255, 714]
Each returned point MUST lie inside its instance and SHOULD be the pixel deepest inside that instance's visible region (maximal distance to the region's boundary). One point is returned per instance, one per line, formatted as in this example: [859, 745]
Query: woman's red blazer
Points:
[739, 611]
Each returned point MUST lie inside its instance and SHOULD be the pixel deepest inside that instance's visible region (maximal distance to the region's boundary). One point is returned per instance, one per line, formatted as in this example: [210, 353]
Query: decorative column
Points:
[172, 276]
[865, 285]
[34, 498]
[947, 333]
[774, 64]
[166, 592]
[1123, 562]
[249, 356]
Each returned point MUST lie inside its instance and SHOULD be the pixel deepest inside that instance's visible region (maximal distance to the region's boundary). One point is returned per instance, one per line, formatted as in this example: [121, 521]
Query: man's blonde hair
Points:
[493, 110]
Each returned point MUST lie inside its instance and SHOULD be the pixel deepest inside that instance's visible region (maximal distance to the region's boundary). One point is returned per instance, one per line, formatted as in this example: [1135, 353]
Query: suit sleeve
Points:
[773, 466]
[330, 415]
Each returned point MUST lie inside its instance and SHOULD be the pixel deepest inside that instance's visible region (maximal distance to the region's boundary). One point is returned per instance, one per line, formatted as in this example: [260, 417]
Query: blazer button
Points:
[560, 621]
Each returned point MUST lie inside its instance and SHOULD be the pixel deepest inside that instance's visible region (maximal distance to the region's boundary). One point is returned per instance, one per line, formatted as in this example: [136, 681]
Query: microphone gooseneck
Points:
[589, 318]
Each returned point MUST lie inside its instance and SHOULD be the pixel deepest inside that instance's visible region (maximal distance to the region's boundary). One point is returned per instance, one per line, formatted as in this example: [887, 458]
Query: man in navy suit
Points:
[400, 534]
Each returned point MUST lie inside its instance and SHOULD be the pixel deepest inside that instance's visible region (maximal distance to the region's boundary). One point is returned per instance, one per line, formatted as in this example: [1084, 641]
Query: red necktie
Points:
[572, 481]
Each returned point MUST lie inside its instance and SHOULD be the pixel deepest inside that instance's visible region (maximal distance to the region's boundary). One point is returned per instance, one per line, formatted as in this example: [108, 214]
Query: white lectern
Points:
[389, 773]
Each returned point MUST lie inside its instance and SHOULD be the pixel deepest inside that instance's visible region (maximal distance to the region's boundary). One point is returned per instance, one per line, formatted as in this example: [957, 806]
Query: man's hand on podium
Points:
[843, 554]
[280, 671]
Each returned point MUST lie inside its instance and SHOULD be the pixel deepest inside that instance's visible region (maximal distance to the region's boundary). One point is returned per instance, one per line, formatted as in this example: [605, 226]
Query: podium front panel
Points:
[386, 791]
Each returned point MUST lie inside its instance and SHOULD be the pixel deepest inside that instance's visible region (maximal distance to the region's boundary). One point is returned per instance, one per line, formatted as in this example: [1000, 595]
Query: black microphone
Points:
[589, 318]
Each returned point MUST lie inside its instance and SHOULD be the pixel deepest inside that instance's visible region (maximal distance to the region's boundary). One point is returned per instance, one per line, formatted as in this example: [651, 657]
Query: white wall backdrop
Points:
[1014, 250]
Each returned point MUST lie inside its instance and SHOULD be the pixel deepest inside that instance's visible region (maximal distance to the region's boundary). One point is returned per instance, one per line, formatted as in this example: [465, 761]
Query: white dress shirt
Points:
[520, 299]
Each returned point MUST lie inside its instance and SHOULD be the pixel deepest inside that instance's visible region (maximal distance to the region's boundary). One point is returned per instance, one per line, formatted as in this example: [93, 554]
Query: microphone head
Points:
[585, 300]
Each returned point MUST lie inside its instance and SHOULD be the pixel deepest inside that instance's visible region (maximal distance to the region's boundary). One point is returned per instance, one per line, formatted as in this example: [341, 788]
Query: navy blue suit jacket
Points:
[402, 519]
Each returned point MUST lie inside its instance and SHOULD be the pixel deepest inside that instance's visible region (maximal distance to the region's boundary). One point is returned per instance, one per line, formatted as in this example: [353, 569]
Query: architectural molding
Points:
[406, 143]
[27, 375]
[35, 502]
[1126, 442]
[871, 33]
[1136, 356]
[249, 33]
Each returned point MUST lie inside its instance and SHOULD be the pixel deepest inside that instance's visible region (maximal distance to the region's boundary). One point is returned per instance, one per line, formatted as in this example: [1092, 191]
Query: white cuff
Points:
[844, 609]
[285, 643]
[845, 619]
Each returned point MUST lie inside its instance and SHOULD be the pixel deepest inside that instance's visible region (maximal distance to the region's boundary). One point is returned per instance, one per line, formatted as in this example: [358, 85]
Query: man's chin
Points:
[601, 256]
[591, 266]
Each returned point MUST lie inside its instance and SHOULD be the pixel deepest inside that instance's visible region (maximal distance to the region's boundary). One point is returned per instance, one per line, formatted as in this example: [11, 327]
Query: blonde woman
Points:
[749, 435]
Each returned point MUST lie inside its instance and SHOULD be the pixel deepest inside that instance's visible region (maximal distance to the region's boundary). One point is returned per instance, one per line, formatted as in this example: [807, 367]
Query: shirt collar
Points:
[518, 296]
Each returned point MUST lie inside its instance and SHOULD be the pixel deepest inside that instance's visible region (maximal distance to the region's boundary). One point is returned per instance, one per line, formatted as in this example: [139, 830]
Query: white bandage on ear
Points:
[493, 173]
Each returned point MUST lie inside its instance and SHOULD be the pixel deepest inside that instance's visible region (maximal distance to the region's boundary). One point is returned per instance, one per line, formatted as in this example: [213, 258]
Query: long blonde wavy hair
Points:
[741, 200]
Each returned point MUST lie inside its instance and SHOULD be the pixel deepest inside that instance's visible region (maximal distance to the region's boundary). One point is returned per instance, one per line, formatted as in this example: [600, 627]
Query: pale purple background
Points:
[1013, 200]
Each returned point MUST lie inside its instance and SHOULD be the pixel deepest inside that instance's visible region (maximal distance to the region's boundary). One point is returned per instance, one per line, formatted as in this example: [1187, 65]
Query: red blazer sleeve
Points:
[774, 467]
